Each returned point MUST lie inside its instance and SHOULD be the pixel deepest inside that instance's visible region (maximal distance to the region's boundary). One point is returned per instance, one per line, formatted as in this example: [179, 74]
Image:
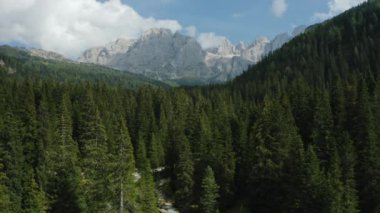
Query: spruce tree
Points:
[65, 188]
[12, 157]
[147, 196]
[5, 199]
[269, 143]
[322, 134]
[209, 195]
[92, 141]
[317, 190]
[368, 167]
[348, 161]
[336, 186]
[33, 199]
[184, 171]
[123, 167]
[155, 151]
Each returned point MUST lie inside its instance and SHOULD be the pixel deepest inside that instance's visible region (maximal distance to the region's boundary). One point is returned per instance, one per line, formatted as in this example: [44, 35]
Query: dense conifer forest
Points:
[298, 132]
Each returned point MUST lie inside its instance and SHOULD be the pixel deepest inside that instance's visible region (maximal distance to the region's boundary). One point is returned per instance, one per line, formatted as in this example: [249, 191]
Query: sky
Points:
[71, 26]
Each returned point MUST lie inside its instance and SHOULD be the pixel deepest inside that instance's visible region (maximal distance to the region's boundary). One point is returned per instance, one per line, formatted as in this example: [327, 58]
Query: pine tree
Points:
[294, 165]
[5, 199]
[317, 189]
[155, 152]
[141, 155]
[184, 171]
[123, 167]
[209, 195]
[338, 105]
[65, 182]
[44, 135]
[336, 185]
[92, 140]
[323, 128]
[348, 161]
[33, 199]
[12, 157]
[269, 149]
[368, 167]
[147, 198]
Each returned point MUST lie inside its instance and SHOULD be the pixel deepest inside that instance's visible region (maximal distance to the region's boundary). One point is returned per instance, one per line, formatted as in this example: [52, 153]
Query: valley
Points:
[162, 124]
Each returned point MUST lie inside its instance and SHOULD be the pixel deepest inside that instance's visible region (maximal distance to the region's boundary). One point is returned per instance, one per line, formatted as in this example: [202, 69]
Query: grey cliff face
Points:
[103, 55]
[163, 55]
[46, 54]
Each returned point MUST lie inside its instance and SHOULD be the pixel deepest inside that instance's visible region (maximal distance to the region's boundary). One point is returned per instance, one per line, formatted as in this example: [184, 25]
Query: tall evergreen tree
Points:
[123, 167]
[184, 170]
[368, 167]
[348, 161]
[317, 189]
[147, 198]
[65, 187]
[209, 195]
[92, 141]
[269, 146]
[323, 128]
[33, 199]
[12, 157]
[156, 151]
[5, 199]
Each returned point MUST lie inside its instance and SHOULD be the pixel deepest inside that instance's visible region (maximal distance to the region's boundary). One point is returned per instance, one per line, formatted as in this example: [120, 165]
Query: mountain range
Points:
[163, 55]
[297, 132]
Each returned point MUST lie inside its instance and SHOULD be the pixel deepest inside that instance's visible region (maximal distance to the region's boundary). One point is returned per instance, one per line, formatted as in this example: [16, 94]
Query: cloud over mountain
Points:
[70, 26]
[279, 7]
[336, 7]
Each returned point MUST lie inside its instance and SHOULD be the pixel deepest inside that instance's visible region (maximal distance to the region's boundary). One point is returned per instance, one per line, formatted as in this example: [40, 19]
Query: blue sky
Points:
[71, 26]
[238, 20]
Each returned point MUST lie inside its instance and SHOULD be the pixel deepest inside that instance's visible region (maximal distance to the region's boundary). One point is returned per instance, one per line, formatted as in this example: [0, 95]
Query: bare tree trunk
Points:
[121, 196]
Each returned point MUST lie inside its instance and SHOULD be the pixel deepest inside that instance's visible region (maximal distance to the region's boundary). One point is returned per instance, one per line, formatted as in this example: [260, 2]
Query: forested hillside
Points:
[20, 64]
[298, 132]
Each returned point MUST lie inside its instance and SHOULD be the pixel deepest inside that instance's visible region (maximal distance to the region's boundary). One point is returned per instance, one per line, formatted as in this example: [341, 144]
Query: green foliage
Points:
[147, 198]
[298, 132]
[69, 71]
[184, 170]
[5, 200]
[208, 200]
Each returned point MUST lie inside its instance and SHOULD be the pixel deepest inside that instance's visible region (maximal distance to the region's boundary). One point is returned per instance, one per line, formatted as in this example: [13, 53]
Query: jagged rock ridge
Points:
[163, 55]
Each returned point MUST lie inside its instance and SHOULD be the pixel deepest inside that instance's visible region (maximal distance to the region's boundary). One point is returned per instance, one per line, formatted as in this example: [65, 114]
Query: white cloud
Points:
[279, 7]
[336, 7]
[70, 26]
[205, 39]
[210, 40]
[191, 31]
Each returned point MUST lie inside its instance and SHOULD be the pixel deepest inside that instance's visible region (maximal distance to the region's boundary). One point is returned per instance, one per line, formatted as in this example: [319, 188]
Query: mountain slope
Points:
[328, 79]
[23, 63]
[333, 48]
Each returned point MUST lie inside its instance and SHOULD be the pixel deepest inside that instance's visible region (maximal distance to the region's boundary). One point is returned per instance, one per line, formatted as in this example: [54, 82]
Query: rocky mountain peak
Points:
[46, 54]
[262, 40]
[298, 30]
[241, 46]
[102, 55]
[157, 32]
[226, 49]
[161, 54]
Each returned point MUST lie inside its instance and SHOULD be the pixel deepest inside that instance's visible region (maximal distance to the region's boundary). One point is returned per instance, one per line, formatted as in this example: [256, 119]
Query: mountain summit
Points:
[163, 55]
